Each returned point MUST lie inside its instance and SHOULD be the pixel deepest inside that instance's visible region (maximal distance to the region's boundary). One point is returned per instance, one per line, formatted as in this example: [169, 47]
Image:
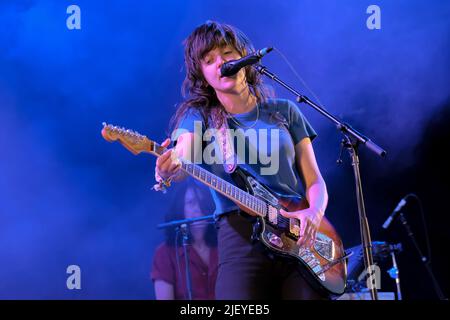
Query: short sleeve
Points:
[162, 268]
[299, 126]
[191, 121]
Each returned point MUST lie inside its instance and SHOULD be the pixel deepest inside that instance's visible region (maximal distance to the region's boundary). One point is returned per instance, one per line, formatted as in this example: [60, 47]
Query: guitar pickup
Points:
[273, 215]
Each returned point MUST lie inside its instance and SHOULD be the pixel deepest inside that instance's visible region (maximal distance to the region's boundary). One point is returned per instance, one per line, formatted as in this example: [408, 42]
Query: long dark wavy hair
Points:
[176, 211]
[196, 91]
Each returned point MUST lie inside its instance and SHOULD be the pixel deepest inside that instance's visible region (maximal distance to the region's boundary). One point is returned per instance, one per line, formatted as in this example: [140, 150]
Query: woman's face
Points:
[211, 63]
[191, 205]
[192, 210]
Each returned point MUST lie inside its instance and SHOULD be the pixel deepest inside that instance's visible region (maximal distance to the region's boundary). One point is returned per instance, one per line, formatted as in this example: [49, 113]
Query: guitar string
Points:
[253, 199]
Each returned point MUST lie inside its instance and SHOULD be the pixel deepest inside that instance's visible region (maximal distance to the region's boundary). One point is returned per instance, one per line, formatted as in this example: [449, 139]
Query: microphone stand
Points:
[424, 259]
[182, 225]
[352, 140]
[184, 232]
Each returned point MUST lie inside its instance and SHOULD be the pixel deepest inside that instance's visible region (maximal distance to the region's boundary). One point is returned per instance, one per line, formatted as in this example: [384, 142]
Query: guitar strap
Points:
[226, 145]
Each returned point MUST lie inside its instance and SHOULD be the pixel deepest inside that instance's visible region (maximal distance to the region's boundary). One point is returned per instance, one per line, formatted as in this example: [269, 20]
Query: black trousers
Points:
[247, 273]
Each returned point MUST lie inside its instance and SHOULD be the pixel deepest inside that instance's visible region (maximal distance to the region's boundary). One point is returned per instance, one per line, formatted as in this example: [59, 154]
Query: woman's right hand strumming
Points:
[168, 164]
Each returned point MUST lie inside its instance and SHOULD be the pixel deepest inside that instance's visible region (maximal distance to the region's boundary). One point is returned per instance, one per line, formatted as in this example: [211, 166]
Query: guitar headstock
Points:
[133, 141]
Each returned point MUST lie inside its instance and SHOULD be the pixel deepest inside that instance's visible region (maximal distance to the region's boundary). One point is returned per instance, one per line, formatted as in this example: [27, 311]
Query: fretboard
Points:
[225, 188]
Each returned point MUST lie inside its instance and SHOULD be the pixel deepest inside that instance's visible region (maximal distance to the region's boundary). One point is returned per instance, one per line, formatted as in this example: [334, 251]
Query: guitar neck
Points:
[137, 143]
[222, 186]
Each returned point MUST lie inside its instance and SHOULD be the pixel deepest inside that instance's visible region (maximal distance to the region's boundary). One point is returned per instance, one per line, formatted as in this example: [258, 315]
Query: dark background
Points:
[68, 197]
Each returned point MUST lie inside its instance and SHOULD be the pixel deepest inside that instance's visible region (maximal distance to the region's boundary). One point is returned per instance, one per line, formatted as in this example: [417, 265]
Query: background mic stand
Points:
[185, 236]
[352, 140]
[182, 226]
[424, 259]
[395, 274]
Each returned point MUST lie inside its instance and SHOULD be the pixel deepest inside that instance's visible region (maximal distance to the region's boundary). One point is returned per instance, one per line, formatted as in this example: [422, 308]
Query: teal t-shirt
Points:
[264, 148]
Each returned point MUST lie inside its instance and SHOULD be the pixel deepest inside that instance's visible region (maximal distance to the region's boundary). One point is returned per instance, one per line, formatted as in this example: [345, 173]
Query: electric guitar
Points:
[324, 264]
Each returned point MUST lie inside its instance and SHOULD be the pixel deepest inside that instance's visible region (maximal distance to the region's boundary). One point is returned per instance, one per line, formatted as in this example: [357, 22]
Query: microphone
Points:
[394, 213]
[232, 67]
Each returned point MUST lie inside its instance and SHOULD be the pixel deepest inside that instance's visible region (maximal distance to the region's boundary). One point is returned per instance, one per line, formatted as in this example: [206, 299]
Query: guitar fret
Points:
[226, 188]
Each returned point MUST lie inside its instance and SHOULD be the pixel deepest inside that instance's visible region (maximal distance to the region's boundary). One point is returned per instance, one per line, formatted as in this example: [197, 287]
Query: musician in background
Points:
[168, 270]
[241, 102]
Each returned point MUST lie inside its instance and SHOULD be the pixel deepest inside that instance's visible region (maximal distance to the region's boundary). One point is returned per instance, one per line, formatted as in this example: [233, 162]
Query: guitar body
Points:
[324, 265]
